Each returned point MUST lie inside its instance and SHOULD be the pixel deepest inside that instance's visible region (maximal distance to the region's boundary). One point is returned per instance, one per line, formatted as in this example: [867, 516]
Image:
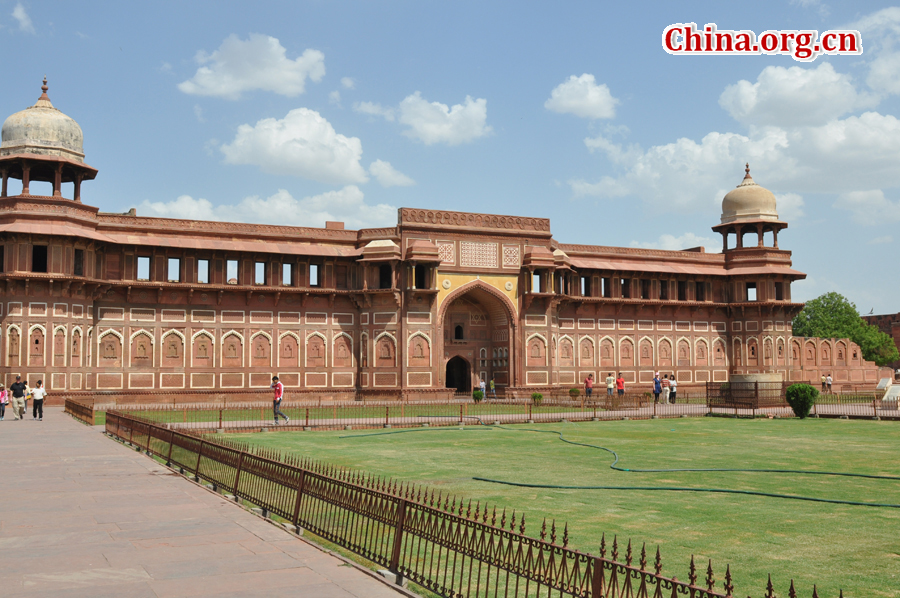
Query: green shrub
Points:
[537, 397]
[477, 395]
[574, 392]
[801, 398]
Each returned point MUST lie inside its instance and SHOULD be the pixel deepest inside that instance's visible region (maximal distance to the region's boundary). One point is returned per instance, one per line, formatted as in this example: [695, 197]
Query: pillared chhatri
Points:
[139, 306]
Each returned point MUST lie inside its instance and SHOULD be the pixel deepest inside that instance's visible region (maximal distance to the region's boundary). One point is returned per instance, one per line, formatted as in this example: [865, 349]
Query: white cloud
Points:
[21, 15]
[303, 144]
[881, 31]
[198, 112]
[869, 207]
[881, 240]
[334, 98]
[795, 96]
[348, 83]
[790, 206]
[259, 62]
[388, 176]
[374, 109]
[347, 205]
[582, 97]
[673, 243]
[433, 122]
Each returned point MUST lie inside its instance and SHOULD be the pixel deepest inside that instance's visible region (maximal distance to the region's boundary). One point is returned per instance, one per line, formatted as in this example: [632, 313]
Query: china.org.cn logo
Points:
[803, 46]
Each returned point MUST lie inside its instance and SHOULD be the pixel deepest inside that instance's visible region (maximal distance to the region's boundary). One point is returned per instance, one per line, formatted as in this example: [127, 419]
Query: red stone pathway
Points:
[82, 515]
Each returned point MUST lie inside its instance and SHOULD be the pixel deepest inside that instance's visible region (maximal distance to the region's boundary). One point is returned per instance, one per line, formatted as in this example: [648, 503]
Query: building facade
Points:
[137, 306]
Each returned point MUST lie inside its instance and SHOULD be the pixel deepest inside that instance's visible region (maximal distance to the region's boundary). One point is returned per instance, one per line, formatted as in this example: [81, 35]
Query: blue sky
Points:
[301, 112]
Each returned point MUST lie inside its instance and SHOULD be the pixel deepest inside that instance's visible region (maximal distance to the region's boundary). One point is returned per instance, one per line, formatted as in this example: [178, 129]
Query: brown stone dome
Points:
[748, 201]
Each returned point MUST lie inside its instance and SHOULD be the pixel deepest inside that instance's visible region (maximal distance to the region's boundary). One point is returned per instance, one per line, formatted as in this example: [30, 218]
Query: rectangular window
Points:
[143, 267]
[259, 273]
[384, 276]
[682, 290]
[231, 271]
[779, 291]
[203, 271]
[78, 266]
[174, 269]
[645, 288]
[420, 277]
[314, 275]
[664, 290]
[751, 291]
[39, 258]
[626, 288]
[535, 283]
[340, 277]
[607, 287]
[585, 286]
[287, 274]
[700, 291]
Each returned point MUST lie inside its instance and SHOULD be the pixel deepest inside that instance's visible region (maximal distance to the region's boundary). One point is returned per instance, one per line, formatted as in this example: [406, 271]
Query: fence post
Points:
[237, 475]
[387, 412]
[597, 578]
[398, 538]
[874, 408]
[171, 444]
[300, 486]
[220, 419]
[307, 417]
[197, 469]
[460, 414]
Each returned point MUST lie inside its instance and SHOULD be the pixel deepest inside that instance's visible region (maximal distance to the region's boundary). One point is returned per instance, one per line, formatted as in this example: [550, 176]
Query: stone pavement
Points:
[82, 515]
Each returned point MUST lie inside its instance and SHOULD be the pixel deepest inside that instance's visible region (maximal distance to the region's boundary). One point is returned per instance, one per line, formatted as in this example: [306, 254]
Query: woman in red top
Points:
[620, 384]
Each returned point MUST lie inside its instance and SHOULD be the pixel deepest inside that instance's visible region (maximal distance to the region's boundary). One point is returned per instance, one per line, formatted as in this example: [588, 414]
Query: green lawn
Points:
[835, 546]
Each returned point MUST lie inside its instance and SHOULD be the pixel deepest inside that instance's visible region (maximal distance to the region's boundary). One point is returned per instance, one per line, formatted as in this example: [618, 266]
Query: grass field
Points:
[834, 546]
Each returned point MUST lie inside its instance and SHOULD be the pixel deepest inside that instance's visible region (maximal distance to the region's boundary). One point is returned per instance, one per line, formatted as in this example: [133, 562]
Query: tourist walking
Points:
[4, 400]
[18, 389]
[610, 384]
[493, 388]
[828, 382]
[589, 385]
[483, 387]
[620, 384]
[823, 382]
[657, 387]
[673, 388]
[278, 387]
[665, 388]
[37, 394]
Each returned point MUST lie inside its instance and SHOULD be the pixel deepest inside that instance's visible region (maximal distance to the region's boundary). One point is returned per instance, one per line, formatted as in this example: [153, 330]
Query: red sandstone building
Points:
[131, 305]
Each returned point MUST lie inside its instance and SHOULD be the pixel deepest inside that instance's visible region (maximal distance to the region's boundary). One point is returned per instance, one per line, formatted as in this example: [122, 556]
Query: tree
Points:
[833, 316]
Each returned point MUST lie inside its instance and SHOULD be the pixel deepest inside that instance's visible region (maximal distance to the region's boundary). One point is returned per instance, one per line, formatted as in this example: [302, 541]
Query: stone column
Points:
[77, 196]
[57, 181]
[26, 179]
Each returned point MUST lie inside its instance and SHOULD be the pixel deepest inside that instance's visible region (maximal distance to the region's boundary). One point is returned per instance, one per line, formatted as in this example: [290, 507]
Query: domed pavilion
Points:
[749, 208]
[41, 143]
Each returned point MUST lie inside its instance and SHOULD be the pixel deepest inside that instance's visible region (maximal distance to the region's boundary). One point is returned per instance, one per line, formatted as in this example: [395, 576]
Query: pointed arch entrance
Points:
[459, 374]
[478, 325]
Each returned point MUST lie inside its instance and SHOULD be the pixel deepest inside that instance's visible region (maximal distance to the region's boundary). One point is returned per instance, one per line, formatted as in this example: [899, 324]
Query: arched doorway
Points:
[458, 374]
[477, 323]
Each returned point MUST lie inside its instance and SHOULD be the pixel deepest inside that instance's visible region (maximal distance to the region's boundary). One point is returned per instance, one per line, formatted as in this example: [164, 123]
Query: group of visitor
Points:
[19, 394]
[667, 387]
[613, 384]
[484, 386]
[826, 383]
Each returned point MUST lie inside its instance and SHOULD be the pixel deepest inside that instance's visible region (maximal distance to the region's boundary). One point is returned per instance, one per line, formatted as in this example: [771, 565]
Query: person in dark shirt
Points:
[18, 390]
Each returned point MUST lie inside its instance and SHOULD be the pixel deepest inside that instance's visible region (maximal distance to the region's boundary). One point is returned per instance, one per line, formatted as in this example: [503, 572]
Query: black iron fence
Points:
[448, 546]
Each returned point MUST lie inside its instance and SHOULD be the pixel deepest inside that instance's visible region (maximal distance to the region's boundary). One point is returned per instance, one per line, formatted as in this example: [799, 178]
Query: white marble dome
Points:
[748, 201]
[43, 130]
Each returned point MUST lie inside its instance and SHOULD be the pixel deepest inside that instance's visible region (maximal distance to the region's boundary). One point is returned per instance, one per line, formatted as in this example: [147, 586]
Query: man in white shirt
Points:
[37, 394]
[673, 388]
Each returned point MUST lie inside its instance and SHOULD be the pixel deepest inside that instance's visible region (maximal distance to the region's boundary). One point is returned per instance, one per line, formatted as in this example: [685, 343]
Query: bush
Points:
[801, 398]
[477, 395]
[574, 392]
[537, 397]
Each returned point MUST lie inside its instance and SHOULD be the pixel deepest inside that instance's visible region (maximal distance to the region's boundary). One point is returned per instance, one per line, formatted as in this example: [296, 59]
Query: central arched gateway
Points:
[459, 375]
[478, 325]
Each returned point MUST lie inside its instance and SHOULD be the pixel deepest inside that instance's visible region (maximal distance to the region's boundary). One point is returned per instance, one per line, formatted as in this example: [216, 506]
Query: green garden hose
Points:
[615, 467]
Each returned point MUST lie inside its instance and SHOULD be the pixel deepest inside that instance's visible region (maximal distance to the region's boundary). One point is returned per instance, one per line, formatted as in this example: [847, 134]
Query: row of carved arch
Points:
[142, 349]
[623, 353]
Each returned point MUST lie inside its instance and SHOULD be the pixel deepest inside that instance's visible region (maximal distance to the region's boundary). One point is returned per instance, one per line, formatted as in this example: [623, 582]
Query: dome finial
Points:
[746, 170]
[44, 89]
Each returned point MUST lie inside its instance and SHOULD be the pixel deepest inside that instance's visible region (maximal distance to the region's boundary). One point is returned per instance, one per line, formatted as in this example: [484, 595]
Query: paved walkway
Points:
[82, 515]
